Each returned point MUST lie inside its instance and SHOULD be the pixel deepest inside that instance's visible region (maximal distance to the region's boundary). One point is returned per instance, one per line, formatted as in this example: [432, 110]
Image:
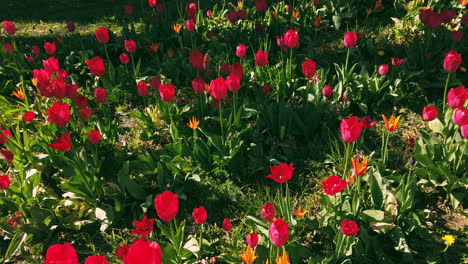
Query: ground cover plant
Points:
[255, 131]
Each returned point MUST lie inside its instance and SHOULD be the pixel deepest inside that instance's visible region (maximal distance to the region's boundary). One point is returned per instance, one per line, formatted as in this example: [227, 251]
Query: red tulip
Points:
[122, 251]
[30, 59]
[457, 97]
[227, 225]
[130, 45]
[51, 66]
[261, 5]
[280, 41]
[282, 172]
[429, 113]
[71, 26]
[152, 3]
[218, 88]
[8, 155]
[198, 85]
[460, 116]
[457, 35]
[196, 59]
[452, 61]
[233, 82]
[94, 136]
[8, 48]
[167, 92]
[167, 205]
[327, 90]
[268, 211]
[241, 50]
[63, 143]
[225, 68]
[252, 240]
[350, 129]
[128, 9]
[237, 69]
[81, 101]
[200, 215]
[464, 131]
[349, 227]
[143, 227]
[397, 61]
[59, 253]
[279, 232]
[261, 58]
[333, 185]
[96, 66]
[266, 88]
[142, 251]
[85, 112]
[309, 68]
[383, 69]
[291, 38]
[9, 27]
[4, 135]
[4, 182]
[29, 116]
[35, 50]
[102, 35]
[350, 39]
[124, 59]
[50, 47]
[142, 88]
[367, 122]
[155, 82]
[100, 95]
[96, 260]
[59, 113]
[190, 25]
[448, 15]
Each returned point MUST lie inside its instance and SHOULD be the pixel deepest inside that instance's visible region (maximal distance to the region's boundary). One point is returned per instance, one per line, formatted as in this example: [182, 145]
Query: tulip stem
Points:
[346, 66]
[347, 157]
[461, 156]
[221, 119]
[445, 91]
[200, 241]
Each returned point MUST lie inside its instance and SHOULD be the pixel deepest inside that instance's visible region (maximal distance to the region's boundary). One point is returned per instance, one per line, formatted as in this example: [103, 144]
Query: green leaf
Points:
[134, 189]
[375, 215]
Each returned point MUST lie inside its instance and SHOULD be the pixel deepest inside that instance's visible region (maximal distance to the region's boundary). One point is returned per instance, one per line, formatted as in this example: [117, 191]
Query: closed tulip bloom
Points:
[130, 45]
[452, 61]
[196, 59]
[291, 38]
[309, 68]
[198, 85]
[252, 240]
[96, 66]
[9, 27]
[190, 25]
[59, 253]
[94, 136]
[457, 35]
[4, 182]
[460, 116]
[166, 205]
[144, 251]
[464, 131]
[29, 116]
[71, 26]
[227, 225]
[128, 9]
[86, 112]
[383, 69]
[35, 50]
[8, 48]
[96, 260]
[100, 95]
[237, 69]
[268, 211]
[349, 227]
[218, 88]
[50, 47]
[457, 97]
[261, 58]
[429, 113]
[279, 232]
[124, 59]
[327, 90]
[142, 88]
[152, 3]
[261, 5]
[102, 35]
[155, 82]
[233, 82]
[350, 129]
[350, 39]
[200, 215]
[241, 50]
[167, 92]
[8, 155]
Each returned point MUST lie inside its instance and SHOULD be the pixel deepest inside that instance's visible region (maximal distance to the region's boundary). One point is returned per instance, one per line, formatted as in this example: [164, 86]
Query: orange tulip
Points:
[284, 259]
[19, 93]
[391, 124]
[359, 168]
[193, 123]
[300, 213]
[177, 27]
[249, 256]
